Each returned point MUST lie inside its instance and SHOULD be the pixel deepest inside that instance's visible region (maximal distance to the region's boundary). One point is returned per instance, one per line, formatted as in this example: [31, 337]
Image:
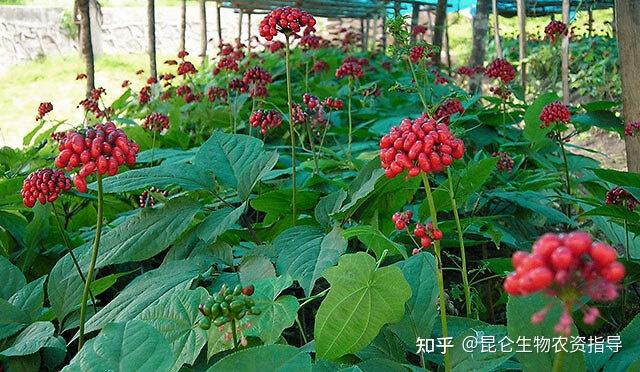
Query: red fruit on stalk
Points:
[501, 69]
[602, 254]
[286, 20]
[44, 185]
[553, 113]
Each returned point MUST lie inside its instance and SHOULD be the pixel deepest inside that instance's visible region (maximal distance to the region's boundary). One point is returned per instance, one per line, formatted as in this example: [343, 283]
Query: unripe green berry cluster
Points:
[227, 305]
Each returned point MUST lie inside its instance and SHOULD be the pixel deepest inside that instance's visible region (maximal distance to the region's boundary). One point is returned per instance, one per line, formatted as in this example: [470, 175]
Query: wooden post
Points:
[363, 37]
[218, 5]
[239, 25]
[446, 43]
[151, 18]
[366, 33]
[249, 30]
[441, 15]
[415, 18]
[496, 29]
[628, 32]
[522, 23]
[87, 46]
[480, 29]
[183, 24]
[384, 31]
[565, 54]
[203, 31]
[590, 22]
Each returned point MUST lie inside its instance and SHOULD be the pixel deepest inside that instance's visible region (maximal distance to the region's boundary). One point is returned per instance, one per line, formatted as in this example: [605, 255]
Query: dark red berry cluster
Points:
[311, 101]
[501, 92]
[152, 80]
[418, 30]
[439, 79]
[44, 185]
[187, 94]
[145, 95]
[505, 163]
[419, 145]
[92, 103]
[320, 66]
[352, 70]
[501, 69]
[310, 42]
[554, 113]
[227, 64]
[401, 219]
[156, 122]
[182, 54]
[470, 71]
[333, 103]
[266, 120]
[631, 128]
[57, 136]
[286, 20]
[102, 148]
[622, 197]
[446, 109]
[555, 29]
[146, 199]
[426, 234]
[168, 77]
[276, 46]
[217, 94]
[257, 75]
[238, 85]
[567, 266]
[43, 109]
[186, 68]
[298, 115]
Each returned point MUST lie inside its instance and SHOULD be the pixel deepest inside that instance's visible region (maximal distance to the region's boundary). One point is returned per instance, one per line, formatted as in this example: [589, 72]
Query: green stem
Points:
[313, 148]
[301, 329]
[153, 147]
[306, 76]
[291, 132]
[253, 109]
[463, 255]
[439, 276]
[557, 361]
[235, 334]
[626, 237]
[415, 79]
[92, 264]
[566, 170]
[67, 244]
[350, 120]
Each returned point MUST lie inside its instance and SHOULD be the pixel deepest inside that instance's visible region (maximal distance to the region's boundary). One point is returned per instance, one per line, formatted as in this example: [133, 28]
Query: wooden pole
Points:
[363, 36]
[87, 46]
[203, 31]
[183, 24]
[439, 28]
[415, 18]
[249, 31]
[480, 30]
[240, 12]
[496, 29]
[446, 43]
[384, 32]
[366, 33]
[628, 32]
[565, 54]
[590, 22]
[151, 17]
[522, 23]
[219, 22]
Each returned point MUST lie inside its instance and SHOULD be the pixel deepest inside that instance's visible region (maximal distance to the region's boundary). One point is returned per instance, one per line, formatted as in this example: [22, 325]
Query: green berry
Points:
[205, 323]
[221, 320]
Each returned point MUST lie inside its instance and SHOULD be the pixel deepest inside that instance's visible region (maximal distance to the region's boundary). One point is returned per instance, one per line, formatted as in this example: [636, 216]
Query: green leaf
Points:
[618, 178]
[361, 300]
[277, 313]
[176, 318]
[138, 238]
[33, 338]
[305, 252]
[187, 176]
[519, 312]
[329, 205]
[265, 358]
[14, 223]
[38, 228]
[130, 346]
[145, 290]
[599, 118]
[533, 201]
[12, 319]
[278, 202]
[253, 268]
[421, 309]
[385, 346]
[532, 130]
[479, 360]
[615, 211]
[218, 222]
[12, 278]
[237, 160]
[30, 298]
[465, 182]
[373, 239]
[362, 186]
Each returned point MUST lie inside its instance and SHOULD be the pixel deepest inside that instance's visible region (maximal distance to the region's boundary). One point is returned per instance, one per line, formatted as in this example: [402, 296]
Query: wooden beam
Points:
[249, 31]
[183, 24]
[240, 25]
[496, 29]
[522, 50]
[565, 54]
[219, 23]
[203, 31]
[151, 37]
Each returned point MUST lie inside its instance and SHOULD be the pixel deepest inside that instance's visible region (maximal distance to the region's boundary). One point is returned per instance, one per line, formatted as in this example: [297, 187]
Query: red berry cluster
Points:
[448, 108]
[298, 115]
[266, 120]
[187, 94]
[258, 91]
[351, 69]
[182, 54]
[186, 68]
[102, 148]
[310, 41]
[43, 109]
[501, 69]
[57, 136]
[92, 104]
[44, 185]
[168, 77]
[501, 92]
[416, 53]
[320, 66]
[311, 101]
[555, 29]
[146, 199]
[238, 85]
[286, 20]
[567, 266]
[418, 30]
[425, 233]
[145, 95]
[554, 113]
[631, 128]
[505, 163]
[276, 46]
[152, 80]
[216, 94]
[156, 122]
[257, 75]
[419, 145]
[333, 103]
[402, 219]
[439, 79]
[622, 197]
[470, 71]
[228, 64]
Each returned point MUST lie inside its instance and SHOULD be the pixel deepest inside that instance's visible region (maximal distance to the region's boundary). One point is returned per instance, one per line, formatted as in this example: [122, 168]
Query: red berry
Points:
[561, 258]
[614, 272]
[578, 242]
[248, 290]
[602, 254]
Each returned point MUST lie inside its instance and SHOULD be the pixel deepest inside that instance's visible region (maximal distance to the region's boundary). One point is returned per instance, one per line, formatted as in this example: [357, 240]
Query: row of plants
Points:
[298, 206]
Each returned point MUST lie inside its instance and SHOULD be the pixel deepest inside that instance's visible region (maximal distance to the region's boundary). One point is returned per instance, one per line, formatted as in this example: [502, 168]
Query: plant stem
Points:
[350, 121]
[234, 112]
[235, 334]
[463, 255]
[626, 237]
[153, 147]
[439, 276]
[557, 361]
[415, 79]
[92, 264]
[301, 329]
[67, 244]
[313, 148]
[566, 171]
[291, 132]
